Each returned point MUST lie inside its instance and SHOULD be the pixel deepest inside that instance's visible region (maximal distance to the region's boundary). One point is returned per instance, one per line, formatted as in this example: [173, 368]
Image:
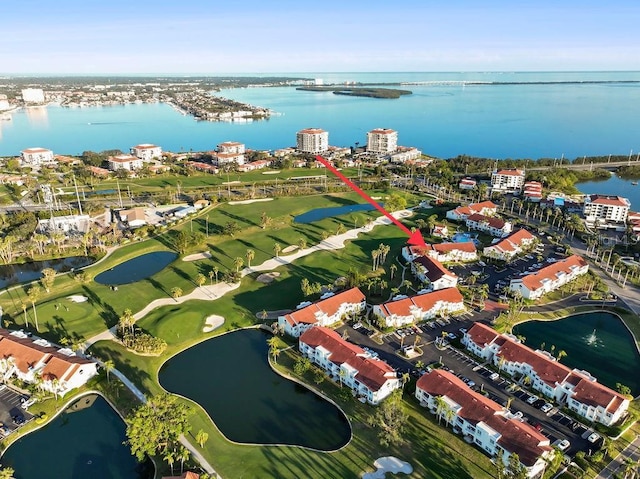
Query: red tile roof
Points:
[534, 281]
[35, 150]
[425, 302]
[382, 131]
[373, 373]
[329, 306]
[484, 204]
[312, 131]
[595, 394]
[609, 200]
[482, 334]
[513, 172]
[490, 220]
[434, 269]
[516, 437]
[514, 240]
[467, 247]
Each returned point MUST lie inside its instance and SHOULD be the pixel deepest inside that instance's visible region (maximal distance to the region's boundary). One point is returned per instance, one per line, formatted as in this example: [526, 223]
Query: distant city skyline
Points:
[286, 36]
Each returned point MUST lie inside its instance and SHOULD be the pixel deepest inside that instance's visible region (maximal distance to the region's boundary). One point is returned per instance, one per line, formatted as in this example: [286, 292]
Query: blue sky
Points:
[229, 36]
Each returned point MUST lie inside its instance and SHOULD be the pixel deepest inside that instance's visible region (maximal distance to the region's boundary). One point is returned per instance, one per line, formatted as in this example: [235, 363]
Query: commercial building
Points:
[604, 209]
[147, 152]
[576, 389]
[382, 141]
[514, 244]
[36, 157]
[549, 278]
[325, 312]
[508, 180]
[482, 421]
[312, 140]
[369, 378]
[419, 308]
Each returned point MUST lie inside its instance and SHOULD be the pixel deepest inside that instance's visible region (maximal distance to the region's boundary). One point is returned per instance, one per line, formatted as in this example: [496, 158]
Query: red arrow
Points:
[415, 238]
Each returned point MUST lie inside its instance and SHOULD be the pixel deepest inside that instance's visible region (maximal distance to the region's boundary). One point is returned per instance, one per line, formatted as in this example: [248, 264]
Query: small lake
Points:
[247, 400]
[140, 267]
[596, 342]
[85, 441]
[322, 213]
[21, 273]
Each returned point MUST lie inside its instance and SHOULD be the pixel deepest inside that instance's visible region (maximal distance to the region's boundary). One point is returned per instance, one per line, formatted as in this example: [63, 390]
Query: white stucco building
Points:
[369, 378]
[549, 278]
[514, 244]
[489, 224]
[124, 162]
[483, 422]
[36, 157]
[508, 180]
[312, 140]
[443, 252]
[325, 312]
[576, 389]
[382, 141]
[461, 213]
[419, 308]
[147, 152]
[431, 272]
[605, 209]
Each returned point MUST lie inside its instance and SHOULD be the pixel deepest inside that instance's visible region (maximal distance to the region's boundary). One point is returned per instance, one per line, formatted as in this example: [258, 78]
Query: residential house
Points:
[36, 157]
[59, 370]
[419, 308]
[461, 213]
[576, 389]
[348, 364]
[325, 312]
[508, 180]
[488, 224]
[514, 244]
[483, 422]
[549, 278]
[206, 167]
[98, 172]
[440, 231]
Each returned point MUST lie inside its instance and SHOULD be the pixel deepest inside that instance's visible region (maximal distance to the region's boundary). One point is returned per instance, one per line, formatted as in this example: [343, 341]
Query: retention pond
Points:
[136, 269]
[247, 400]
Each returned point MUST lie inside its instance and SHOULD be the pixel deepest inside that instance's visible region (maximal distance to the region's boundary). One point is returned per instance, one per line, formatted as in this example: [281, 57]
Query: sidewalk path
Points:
[632, 451]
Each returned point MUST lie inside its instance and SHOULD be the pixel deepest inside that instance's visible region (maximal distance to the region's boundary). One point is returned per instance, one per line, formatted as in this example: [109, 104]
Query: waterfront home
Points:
[443, 252]
[431, 272]
[38, 361]
[507, 248]
[325, 312]
[419, 308]
[147, 152]
[549, 278]
[312, 140]
[605, 211]
[36, 157]
[467, 184]
[507, 180]
[576, 389]
[124, 162]
[461, 213]
[489, 224]
[369, 378]
[482, 421]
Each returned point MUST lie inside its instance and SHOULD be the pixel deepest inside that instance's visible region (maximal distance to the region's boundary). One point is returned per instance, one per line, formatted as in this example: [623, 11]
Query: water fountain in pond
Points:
[592, 339]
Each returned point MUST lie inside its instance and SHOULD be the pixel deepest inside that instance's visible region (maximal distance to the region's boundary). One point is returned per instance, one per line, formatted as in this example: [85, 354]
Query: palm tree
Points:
[23, 305]
[302, 243]
[441, 406]
[211, 275]
[561, 354]
[34, 294]
[201, 438]
[392, 270]
[250, 254]
[7, 473]
[407, 284]
[238, 263]
[341, 375]
[176, 292]
[275, 352]
[183, 455]
[170, 458]
[276, 249]
[216, 270]
[108, 366]
[200, 279]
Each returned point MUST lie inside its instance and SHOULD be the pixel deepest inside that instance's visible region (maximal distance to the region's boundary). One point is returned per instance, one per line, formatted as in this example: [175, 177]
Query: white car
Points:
[563, 445]
[546, 407]
[532, 399]
[494, 376]
[593, 438]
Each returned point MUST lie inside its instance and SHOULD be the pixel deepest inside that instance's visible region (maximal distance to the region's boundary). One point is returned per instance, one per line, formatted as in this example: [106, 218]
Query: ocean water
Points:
[495, 115]
[614, 186]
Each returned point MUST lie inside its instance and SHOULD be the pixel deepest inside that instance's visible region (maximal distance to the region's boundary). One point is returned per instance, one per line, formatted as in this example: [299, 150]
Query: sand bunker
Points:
[290, 249]
[267, 278]
[248, 202]
[235, 182]
[271, 172]
[212, 322]
[77, 299]
[197, 256]
[388, 464]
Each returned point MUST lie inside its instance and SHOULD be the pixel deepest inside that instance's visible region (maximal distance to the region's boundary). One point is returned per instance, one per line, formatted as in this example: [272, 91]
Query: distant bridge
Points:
[589, 165]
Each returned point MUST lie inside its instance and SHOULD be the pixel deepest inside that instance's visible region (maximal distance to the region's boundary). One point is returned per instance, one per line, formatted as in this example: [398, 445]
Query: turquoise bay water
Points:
[85, 441]
[613, 186]
[516, 118]
[612, 357]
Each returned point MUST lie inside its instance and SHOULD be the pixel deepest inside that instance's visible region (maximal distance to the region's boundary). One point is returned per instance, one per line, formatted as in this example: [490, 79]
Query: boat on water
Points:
[634, 183]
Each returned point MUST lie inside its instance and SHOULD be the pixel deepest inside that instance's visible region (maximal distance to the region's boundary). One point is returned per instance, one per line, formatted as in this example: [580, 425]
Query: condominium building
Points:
[443, 252]
[419, 308]
[489, 224]
[231, 147]
[57, 370]
[431, 272]
[124, 162]
[312, 140]
[576, 389]
[606, 209]
[509, 180]
[230, 152]
[461, 213]
[532, 191]
[325, 312]
[483, 422]
[36, 157]
[147, 152]
[382, 141]
[514, 244]
[406, 154]
[33, 95]
[370, 378]
[549, 278]
[467, 184]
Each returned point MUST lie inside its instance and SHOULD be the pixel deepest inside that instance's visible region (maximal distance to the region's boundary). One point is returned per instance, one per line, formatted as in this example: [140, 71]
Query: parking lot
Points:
[12, 415]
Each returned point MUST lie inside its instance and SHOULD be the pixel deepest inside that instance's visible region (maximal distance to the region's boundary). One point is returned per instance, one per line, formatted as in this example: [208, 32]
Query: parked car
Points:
[563, 445]
[18, 418]
[532, 399]
[593, 437]
[494, 376]
[546, 407]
